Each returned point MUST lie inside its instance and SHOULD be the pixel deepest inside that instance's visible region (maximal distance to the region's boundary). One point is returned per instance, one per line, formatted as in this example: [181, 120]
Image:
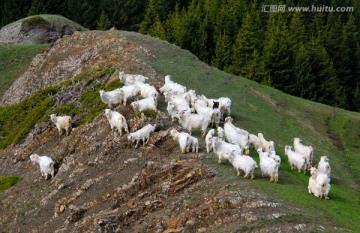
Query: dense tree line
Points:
[311, 55]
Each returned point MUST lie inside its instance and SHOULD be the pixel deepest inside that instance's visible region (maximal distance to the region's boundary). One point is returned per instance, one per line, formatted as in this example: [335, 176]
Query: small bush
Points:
[148, 112]
[7, 182]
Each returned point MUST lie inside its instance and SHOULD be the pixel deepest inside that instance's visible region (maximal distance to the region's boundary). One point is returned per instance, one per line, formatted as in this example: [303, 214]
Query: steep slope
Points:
[102, 184]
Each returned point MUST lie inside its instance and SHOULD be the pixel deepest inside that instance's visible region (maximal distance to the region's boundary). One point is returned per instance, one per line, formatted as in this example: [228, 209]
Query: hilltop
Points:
[103, 184]
[38, 29]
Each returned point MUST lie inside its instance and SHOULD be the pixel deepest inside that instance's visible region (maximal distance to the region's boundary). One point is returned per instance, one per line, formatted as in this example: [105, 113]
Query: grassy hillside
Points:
[280, 117]
[14, 60]
[256, 108]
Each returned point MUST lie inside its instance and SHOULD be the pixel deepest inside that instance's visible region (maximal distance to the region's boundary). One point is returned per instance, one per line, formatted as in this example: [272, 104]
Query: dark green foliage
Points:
[152, 16]
[147, 112]
[7, 181]
[103, 22]
[17, 120]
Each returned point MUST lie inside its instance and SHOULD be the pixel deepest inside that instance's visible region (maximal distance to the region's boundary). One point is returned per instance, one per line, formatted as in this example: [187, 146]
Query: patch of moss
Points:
[147, 112]
[17, 120]
[34, 22]
[7, 182]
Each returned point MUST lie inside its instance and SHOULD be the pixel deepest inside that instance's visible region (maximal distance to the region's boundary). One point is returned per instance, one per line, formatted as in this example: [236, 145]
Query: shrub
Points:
[7, 182]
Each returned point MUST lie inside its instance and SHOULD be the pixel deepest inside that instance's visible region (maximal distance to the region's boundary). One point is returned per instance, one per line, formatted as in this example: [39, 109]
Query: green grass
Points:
[280, 117]
[7, 182]
[14, 60]
[17, 120]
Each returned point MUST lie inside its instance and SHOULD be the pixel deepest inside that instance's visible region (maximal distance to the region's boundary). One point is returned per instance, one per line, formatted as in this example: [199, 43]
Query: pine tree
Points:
[304, 80]
[277, 52]
[246, 42]
[157, 30]
[173, 26]
[103, 23]
[222, 51]
[255, 69]
[151, 16]
[36, 7]
[296, 33]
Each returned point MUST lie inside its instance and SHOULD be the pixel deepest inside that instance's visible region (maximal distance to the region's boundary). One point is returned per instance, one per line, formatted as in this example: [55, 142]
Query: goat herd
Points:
[198, 112]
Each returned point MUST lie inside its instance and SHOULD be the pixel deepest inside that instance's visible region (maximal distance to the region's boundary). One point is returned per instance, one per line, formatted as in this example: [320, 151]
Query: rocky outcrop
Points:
[38, 29]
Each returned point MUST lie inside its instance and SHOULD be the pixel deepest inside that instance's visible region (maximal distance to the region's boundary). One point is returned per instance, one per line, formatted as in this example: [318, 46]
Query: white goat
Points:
[296, 160]
[142, 134]
[221, 133]
[274, 156]
[117, 121]
[208, 140]
[225, 105]
[268, 166]
[304, 150]
[236, 135]
[143, 104]
[223, 149]
[111, 98]
[324, 166]
[183, 139]
[127, 92]
[213, 114]
[147, 90]
[266, 145]
[46, 165]
[172, 87]
[319, 184]
[254, 141]
[243, 163]
[193, 121]
[130, 79]
[194, 142]
[62, 123]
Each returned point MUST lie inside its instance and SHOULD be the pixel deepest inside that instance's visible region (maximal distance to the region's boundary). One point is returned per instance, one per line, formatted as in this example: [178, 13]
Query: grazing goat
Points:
[221, 133]
[183, 139]
[254, 141]
[143, 104]
[62, 123]
[319, 183]
[223, 149]
[142, 134]
[127, 92]
[208, 140]
[304, 150]
[111, 98]
[46, 165]
[324, 166]
[193, 121]
[296, 160]
[117, 121]
[266, 145]
[243, 163]
[146, 90]
[268, 166]
[130, 79]
[236, 135]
